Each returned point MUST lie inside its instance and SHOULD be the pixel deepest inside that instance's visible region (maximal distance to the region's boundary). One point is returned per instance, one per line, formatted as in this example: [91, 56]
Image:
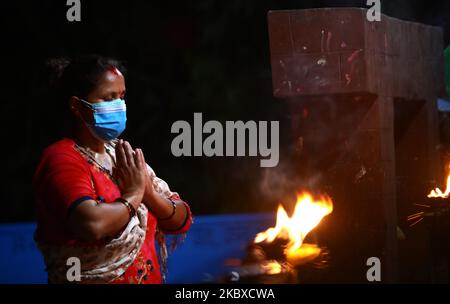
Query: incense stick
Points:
[416, 222]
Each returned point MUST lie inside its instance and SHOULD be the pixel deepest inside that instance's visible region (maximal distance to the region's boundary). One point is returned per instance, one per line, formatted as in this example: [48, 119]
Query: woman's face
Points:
[110, 86]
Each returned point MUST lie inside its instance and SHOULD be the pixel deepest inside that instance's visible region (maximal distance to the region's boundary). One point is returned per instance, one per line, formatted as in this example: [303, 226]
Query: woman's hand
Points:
[131, 172]
[150, 192]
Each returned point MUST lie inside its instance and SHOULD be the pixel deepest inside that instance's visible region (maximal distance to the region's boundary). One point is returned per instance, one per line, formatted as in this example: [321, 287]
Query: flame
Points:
[308, 213]
[438, 192]
[272, 267]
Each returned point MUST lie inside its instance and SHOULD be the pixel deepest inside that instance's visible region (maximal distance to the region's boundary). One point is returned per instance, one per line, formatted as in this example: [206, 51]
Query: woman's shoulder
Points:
[58, 157]
[63, 149]
[62, 145]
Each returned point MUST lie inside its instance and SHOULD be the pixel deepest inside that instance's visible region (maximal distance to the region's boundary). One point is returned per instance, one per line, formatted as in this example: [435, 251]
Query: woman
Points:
[96, 198]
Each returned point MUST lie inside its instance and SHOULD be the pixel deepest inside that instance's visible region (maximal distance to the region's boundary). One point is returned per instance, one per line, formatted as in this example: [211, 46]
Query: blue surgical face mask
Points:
[109, 118]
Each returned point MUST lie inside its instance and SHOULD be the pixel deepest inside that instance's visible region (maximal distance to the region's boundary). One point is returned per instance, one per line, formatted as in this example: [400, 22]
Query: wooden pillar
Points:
[370, 130]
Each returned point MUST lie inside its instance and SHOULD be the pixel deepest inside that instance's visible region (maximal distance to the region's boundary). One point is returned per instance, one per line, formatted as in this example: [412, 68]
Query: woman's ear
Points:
[74, 105]
[79, 110]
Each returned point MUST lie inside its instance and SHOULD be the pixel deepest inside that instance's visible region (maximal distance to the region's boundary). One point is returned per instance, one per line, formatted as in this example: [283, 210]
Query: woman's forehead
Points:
[112, 79]
[109, 83]
[112, 74]
[114, 70]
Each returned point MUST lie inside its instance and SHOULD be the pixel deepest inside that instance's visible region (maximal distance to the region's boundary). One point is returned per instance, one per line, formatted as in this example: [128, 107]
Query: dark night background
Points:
[204, 56]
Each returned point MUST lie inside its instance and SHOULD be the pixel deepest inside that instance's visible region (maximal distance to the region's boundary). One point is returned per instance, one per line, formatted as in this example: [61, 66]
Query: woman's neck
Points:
[84, 138]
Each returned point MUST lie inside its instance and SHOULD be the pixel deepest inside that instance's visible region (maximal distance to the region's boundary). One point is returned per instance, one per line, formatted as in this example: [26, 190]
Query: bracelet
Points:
[131, 210]
[186, 219]
[173, 212]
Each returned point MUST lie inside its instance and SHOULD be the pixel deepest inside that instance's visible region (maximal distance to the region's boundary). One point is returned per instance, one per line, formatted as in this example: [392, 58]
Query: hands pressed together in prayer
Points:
[136, 185]
[131, 172]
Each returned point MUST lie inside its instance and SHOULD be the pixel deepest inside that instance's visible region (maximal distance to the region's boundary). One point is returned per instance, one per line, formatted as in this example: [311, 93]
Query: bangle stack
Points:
[131, 210]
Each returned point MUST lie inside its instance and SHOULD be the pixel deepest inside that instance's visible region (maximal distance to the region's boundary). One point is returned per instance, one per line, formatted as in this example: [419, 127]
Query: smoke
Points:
[321, 141]
[282, 184]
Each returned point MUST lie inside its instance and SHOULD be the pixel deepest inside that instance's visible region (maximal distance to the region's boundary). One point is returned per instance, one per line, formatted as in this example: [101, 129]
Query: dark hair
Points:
[75, 77]
[79, 76]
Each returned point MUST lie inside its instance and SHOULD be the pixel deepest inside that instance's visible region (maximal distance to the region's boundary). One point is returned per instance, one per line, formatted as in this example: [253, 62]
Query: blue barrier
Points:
[200, 258]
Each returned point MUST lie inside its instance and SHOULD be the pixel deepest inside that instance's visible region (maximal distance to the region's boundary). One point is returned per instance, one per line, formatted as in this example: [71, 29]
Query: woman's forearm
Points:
[178, 220]
[91, 221]
[111, 219]
[168, 217]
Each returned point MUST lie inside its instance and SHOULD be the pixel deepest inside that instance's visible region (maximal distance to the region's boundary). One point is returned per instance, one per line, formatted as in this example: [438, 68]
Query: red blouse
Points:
[63, 179]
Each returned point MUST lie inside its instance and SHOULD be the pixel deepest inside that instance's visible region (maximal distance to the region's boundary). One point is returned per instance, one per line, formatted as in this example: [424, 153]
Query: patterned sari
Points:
[67, 176]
